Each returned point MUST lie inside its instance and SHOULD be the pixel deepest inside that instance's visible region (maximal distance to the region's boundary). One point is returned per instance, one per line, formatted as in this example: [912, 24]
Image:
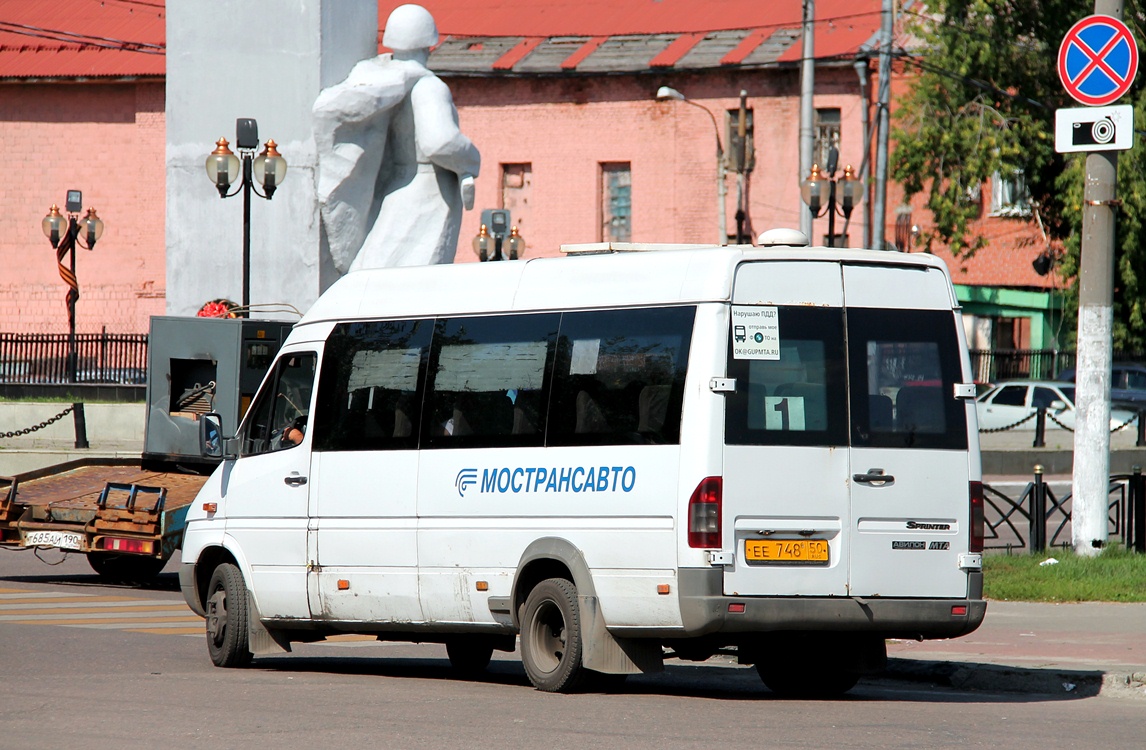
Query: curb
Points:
[1012, 679]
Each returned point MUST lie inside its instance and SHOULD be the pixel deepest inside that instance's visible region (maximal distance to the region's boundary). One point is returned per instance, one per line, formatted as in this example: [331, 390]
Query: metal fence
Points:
[993, 365]
[1038, 518]
[35, 358]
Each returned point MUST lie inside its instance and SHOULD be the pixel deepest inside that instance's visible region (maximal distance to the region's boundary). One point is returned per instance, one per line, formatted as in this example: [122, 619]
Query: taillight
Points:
[117, 544]
[704, 513]
[977, 522]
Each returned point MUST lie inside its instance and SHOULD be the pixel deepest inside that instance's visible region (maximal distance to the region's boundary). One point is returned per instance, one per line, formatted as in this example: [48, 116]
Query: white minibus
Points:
[620, 457]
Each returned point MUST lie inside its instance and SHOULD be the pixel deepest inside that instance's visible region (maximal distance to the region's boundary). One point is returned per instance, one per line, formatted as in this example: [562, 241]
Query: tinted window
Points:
[799, 398]
[1135, 380]
[1043, 397]
[620, 376]
[904, 365]
[1011, 395]
[488, 381]
[283, 405]
[370, 395]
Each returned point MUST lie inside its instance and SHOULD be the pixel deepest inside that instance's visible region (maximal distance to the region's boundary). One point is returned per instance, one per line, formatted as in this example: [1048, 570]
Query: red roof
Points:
[545, 18]
[79, 38]
[112, 38]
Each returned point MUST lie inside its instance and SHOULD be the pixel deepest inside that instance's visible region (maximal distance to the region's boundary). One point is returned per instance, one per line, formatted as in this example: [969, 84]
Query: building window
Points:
[827, 135]
[1010, 196]
[517, 194]
[616, 202]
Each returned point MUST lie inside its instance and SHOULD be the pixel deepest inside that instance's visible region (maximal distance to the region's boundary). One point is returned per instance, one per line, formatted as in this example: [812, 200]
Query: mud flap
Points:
[260, 641]
[602, 652]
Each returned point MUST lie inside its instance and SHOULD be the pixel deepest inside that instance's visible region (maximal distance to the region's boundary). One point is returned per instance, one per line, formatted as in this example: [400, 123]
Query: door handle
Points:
[875, 477]
[294, 480]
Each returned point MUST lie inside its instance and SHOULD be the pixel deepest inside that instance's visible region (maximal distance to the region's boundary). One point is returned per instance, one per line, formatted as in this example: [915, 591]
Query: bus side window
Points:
[370, 392]
[620, 376]
[489, 381]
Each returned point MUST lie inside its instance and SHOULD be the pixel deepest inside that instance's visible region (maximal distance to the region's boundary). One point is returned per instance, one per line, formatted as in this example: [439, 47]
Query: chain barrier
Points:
[1027, 418]
[1124, 424]
[42, 425]
[1051, 417]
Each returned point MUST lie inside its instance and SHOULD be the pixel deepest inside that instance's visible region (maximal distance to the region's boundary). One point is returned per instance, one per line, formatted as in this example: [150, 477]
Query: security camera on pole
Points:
[1097, 63]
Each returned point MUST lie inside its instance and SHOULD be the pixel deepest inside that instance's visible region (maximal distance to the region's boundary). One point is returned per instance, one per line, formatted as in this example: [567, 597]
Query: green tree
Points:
[983, 101]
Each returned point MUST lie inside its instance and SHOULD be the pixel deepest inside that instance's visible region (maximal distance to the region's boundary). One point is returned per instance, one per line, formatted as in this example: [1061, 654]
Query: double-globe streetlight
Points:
[66, 233]
[268, 168]
[819, 191]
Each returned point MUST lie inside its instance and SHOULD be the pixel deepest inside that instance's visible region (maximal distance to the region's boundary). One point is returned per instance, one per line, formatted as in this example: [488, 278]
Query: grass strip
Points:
[1115, 575]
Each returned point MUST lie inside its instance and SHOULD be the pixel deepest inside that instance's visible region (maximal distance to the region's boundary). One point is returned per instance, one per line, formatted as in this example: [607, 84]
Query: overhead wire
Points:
[83, 40]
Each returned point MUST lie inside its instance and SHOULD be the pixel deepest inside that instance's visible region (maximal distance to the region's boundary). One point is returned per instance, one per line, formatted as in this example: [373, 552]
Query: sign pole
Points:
[1095, 333]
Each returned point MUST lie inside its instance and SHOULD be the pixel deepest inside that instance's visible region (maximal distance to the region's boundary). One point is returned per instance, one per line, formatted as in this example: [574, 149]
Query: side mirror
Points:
[212, 444]
[1058, 405]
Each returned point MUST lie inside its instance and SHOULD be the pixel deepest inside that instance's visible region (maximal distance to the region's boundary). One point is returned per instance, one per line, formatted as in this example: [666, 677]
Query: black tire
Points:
[469, 655]
[125, 568]
[792, 681]
[227, 618]
[551, 637]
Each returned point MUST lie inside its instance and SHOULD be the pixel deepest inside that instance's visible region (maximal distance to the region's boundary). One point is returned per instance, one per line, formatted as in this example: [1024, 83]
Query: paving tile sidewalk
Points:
[1084, 648]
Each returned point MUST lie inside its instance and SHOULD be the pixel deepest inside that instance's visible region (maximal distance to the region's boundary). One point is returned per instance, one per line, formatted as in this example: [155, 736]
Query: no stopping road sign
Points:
[1097, 60]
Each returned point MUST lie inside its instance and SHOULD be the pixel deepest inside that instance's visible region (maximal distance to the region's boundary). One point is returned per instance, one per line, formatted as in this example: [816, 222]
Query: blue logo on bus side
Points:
[548, 479]
[466, 478]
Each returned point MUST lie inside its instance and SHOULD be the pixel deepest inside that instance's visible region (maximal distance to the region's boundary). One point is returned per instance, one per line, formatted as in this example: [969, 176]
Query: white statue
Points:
[394, 169]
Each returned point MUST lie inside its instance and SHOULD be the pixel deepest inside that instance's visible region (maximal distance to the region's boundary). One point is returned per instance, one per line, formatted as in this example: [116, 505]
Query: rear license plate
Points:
[801, 551]
[61, 539]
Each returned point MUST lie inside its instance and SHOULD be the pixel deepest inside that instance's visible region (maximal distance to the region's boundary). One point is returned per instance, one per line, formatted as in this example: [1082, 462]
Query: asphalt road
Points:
[137, 675]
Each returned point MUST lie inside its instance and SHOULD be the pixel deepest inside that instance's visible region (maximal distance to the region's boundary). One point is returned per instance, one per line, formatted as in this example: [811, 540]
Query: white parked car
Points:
[1011, 402]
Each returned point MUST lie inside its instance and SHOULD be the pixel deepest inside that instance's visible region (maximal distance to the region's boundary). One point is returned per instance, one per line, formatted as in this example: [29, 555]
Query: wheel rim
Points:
[547, 637]
[217, 616]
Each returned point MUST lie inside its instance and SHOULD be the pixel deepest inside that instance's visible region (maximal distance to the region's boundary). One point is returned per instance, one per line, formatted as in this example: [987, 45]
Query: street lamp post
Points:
[269, 168]
[65, 235]
[665, 93]
[819, 192]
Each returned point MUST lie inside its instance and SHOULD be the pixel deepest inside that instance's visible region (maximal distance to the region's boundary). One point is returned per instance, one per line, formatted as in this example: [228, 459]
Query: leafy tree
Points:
[983, 102]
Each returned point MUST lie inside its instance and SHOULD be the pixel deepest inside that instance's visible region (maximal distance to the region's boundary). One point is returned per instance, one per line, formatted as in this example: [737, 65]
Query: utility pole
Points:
[1090, 490]
[807, 108]
[879, 201]
[862, 72]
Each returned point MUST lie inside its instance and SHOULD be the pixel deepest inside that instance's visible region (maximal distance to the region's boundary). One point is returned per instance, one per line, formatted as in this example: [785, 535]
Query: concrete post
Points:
[807, 110]
[879, 201]
[1095, 322]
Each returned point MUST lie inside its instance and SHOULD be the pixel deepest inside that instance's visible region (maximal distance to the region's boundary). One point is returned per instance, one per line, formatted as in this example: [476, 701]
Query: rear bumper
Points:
[704, 611]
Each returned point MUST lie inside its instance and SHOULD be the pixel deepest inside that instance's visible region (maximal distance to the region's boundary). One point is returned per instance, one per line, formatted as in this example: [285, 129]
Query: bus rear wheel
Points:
[469, 655]
[551, 637]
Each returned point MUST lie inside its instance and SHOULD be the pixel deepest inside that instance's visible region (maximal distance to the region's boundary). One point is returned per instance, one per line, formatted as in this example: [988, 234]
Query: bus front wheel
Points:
[226, 608]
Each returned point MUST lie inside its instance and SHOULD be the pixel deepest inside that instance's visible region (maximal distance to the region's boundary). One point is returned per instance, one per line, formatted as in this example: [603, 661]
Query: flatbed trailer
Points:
[126, 517]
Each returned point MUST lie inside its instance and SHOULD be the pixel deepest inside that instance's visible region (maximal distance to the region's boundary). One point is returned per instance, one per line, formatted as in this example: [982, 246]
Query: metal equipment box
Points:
[200, 365]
